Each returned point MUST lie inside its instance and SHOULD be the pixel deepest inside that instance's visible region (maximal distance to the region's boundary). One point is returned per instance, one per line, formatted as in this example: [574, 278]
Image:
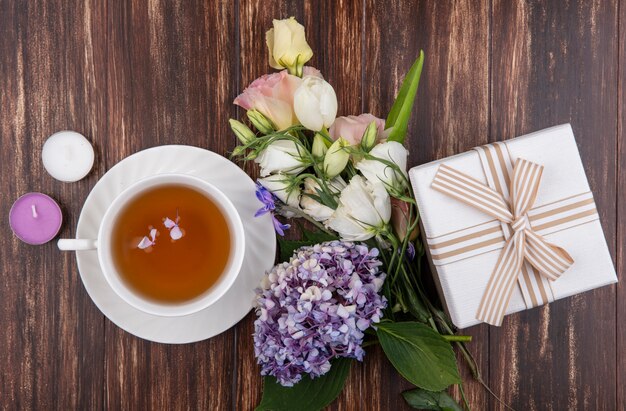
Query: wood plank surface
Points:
[343, 68]
[255, 17]
[451, 115]
[169, 76]
[136, 74]
[551, 65]
[52, 345]
[620, 295]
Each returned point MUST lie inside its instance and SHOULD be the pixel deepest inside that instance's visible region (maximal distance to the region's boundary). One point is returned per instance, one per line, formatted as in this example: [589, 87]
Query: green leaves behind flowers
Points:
[428, 400]
[287, 247]
[307, 395]
[398, 118]
[316, 237]
[419, 354]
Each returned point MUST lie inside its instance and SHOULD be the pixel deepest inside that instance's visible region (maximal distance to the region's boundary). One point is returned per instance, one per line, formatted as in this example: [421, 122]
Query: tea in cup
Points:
[168, 245]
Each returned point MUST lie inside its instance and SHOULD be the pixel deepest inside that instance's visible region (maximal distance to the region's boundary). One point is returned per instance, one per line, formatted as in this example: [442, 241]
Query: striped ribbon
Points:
[523, 244]
[498, 166]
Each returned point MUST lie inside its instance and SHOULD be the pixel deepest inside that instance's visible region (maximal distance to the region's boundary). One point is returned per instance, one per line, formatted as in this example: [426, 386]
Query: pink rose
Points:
[272, 95]
[400, 219]
[352, 128]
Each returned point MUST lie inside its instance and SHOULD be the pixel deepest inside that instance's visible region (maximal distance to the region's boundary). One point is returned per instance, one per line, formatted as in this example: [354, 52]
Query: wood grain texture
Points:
[620, 295]
[255, 18]
[560, 356]
[451, 114]
[342, 67]
[51, 348]
[169, 77]
[136, 74]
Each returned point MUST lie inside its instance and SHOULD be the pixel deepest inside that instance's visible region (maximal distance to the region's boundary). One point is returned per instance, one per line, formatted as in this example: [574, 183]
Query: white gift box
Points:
[464, 244]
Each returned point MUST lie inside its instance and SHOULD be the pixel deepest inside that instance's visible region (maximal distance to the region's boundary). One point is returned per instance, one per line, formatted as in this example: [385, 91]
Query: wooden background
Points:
[135, 74]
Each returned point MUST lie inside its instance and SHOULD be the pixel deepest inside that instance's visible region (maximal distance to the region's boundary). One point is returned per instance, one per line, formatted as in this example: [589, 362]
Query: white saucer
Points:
[259, 255]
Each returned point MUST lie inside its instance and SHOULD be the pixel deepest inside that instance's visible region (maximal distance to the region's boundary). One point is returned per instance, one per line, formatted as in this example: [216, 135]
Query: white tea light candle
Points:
[67, 156]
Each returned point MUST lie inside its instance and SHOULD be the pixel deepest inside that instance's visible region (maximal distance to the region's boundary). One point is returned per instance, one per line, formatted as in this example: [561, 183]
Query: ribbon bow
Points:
[550, 260]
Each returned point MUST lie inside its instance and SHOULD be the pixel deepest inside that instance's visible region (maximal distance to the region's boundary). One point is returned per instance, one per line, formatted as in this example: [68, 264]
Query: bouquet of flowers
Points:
[355, 279]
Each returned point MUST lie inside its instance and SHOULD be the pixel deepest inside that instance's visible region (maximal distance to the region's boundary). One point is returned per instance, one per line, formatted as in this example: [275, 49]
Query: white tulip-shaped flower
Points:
[281, 156]
[311, 206]
[315, 103]
[364, 210]
[282, 187]
[375, 170]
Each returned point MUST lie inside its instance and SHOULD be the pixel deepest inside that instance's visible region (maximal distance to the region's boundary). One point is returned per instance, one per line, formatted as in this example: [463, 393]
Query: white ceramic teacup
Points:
[103, 246]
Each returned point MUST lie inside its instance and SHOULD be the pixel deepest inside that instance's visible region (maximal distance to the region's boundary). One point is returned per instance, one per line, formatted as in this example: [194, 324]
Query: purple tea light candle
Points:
[35, 218]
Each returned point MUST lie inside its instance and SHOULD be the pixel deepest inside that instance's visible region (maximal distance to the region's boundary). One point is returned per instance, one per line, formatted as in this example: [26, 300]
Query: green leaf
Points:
[398, 118]
[307, 395]
[287, 247]
[326, 199]
[427, 400]
[415, 306]
[316, 237]
[419, 354]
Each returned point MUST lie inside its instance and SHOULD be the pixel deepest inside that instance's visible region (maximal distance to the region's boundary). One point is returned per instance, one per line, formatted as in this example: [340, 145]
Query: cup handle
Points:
[76, 244]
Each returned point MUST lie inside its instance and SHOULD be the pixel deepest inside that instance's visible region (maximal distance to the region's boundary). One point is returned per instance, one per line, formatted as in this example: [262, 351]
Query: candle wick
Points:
[34, 210]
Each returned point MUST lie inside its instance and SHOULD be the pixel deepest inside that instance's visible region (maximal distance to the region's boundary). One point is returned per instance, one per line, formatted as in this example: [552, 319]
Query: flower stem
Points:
[465, 401]
[457, 338]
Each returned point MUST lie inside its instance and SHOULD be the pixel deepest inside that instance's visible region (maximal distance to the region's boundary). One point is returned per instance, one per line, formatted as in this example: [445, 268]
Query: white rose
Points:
[281, 156]
[315, 103]
[375, 170]
[364, 210]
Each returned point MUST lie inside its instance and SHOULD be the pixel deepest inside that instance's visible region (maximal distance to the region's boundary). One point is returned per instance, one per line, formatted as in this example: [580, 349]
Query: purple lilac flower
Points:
[269, 206]
[316, 307]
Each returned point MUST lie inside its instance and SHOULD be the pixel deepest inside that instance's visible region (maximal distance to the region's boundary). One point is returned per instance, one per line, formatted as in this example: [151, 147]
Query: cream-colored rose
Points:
[287, 46]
